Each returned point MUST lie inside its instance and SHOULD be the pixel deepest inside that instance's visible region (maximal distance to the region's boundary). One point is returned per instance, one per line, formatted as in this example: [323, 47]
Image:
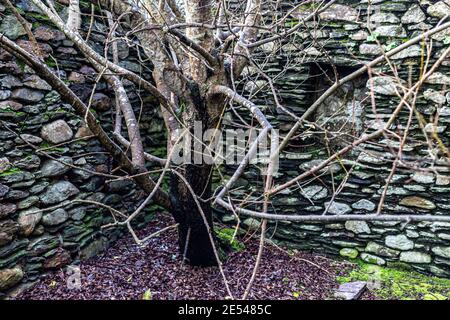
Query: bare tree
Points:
[199, 51]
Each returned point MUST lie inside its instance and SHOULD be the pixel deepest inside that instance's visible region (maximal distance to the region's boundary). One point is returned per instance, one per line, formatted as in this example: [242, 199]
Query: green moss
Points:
[10, 171]
[225, 236]
[399, 284]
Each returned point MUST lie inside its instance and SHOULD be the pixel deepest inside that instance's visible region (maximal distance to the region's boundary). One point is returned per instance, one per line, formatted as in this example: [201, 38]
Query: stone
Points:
[370, 49]
[252, 224]
[369, 258]
[35, 82]
[28, 220]
[439, 10]
[3, 190]
[338, 208]
[391, 31]
[442, 251]
[357, 226]
[350, 290]
[7, 209]
[438, 78]
[383, 85]
[54, 168]
[375, 248]
[5, 94]
[383, 17]
[10, 81]
[400, 242]
[12, 28]
[5, 165]
[45, 33]
[29, 162]
[364, 204]
[57, 260]
[435, 96]
[43, 244]
[83, 132]
[101, 102]
[27, 95]
[333, 168]
[423, 177]
[349, 253]
[410, 52]
[338, 12]
[93, 248]
[29, 138]
[413, 15]
[415, 257]
[314, 192]
[28, 202]
[56, 132]
[10, 277]
[8, 230]
[418, 202]
[55, 217]
[59, 192]
[10, 105]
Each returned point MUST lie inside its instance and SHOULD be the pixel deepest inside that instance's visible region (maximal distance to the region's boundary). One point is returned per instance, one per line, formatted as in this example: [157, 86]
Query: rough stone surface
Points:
[55, 217]
[415, 257]
[357, 226]
[59, 192]
[10, 277]
[400, 242]
[53, 168]
[418, 202]
[56, 132]
[338, 208]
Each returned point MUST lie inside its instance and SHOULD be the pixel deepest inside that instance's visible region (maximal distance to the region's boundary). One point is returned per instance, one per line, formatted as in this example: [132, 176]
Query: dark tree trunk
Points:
[194, 240]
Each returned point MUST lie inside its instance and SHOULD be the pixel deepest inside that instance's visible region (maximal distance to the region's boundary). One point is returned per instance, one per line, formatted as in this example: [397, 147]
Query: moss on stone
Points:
[399, 284]
[225, 236]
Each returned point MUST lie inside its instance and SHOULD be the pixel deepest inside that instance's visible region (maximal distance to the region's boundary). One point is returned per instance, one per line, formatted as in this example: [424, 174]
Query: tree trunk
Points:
[194, 241]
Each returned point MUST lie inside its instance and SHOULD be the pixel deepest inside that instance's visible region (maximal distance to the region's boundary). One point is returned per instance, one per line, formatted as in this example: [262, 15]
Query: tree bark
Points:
[194, 241]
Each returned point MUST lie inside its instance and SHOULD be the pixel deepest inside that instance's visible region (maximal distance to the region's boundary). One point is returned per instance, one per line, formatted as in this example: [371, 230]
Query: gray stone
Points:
[252, 224]
[373, 247]
[28, 202]
[10, 81]
[5, 165]
[8, 230]
[438, 78]
[3, 190]
[364, 204]
[27, 95]
[338, 208]
[410, 52]
[350, 290]
[423, 177]
[370, 49]
[400, 242]
[434, 96]
[55, 217]
[35, 82]
[12, 28]
[442, 251]
[415, 257]
[391, 31]
[439, 10]
[5, 94]
[59, 192]
[413, 15]
[7, 209]
[357, 226]
[349, 253]
[333, 168]
[383, 85]
[369, 258]
[57, 132]
[383, 17]
[28, 220]
[53, 168]
[338, 12]
[315, 192]
[29, 138]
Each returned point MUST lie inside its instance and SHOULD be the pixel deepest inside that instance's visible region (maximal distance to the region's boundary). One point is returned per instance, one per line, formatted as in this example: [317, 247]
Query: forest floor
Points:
[155, 271]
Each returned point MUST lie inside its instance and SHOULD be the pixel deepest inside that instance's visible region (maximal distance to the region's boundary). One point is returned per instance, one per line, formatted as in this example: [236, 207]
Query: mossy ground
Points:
[399, 284]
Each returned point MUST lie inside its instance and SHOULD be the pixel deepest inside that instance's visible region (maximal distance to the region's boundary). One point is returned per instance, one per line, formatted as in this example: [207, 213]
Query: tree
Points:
[198, 50]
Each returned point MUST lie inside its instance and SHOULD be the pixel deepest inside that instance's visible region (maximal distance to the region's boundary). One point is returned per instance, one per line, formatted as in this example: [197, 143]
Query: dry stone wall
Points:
[41, 226]
[342, 39]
